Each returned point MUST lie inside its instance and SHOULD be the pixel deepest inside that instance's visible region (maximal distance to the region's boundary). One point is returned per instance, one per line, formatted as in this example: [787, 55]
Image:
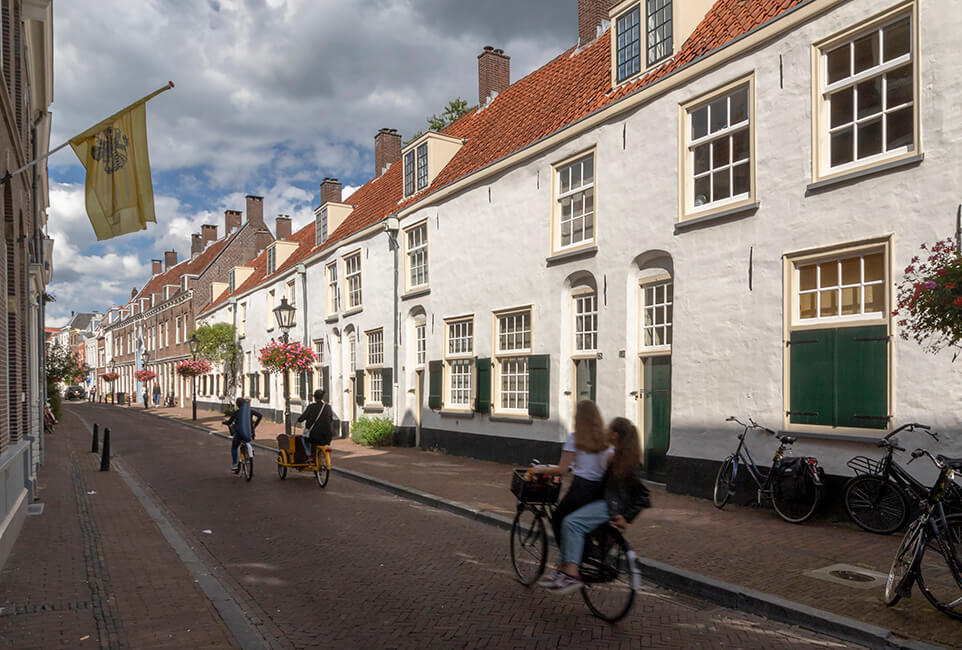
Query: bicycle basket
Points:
[864, 465]
[540, 489]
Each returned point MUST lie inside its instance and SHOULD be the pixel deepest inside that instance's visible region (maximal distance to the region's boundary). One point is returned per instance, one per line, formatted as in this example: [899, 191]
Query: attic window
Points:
[422, 166]
[416, 169]
[629, 43]
[409, 173]
[271, 259]
[659, 24]
[320, 227]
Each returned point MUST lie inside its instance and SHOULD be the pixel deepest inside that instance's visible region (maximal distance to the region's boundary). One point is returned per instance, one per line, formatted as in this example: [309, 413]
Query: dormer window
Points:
[437, 148]
[409, 173]
[658, 21]
[231, 281]
[629, 43]
[633, 36]
[320, 227]
[422, 166]
[271, 260]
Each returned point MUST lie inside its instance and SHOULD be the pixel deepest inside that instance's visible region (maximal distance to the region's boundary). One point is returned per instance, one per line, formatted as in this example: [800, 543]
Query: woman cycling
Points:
[587, 451]
[625, 495]
[241, 424]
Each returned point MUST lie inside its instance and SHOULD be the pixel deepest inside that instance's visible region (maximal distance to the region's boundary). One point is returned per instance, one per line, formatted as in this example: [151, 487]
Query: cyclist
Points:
[625, 495]
[241, 424]
[319, 418]
[588, 452]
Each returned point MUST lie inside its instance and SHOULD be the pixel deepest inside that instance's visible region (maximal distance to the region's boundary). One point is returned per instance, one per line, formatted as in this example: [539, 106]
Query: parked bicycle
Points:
[880, 497]
[793, 484]
[609, 567]
[931, 550]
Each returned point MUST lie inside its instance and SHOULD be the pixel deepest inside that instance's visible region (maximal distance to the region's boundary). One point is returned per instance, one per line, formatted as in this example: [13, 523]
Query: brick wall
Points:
[237, 253]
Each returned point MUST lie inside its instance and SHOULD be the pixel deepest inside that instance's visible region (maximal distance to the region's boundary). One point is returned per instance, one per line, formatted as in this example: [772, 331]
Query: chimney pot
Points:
[170, 259]
[196, 245]
[255, 211]
[208, 233]
[133, 292]
[331, 190]
[591, 15]
[282, 227]
[494, 73]
[156, 266]
[387, 150]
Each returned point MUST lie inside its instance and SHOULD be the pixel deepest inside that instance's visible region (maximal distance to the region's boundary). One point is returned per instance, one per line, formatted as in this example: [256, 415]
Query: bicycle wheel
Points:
[609, 574]
[800, 506]
[876, 505]
[724, 483]
[900, 574]
[322, 475]
[247, 466]
[940, 568]
[529, 545]
[281, 469]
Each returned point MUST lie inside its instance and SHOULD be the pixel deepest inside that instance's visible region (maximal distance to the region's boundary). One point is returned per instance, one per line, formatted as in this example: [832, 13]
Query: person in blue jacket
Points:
[241, 424]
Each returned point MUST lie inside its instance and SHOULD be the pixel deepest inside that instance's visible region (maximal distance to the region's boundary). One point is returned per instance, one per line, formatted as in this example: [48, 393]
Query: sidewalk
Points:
[77, 576]
[749, 548]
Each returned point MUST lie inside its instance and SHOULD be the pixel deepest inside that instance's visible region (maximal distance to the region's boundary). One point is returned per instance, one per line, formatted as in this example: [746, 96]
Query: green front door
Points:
[585, 371]
[657, 414]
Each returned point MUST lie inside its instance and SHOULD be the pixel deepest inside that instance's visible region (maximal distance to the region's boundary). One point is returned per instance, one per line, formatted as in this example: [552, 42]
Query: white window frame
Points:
[373, 364]
[422, 177]
[318, 352]
[320, 227]
[421, 348]
[416, 256]
[869, 318]
[665, 307]
[270, 310]
[333, 290]
[410, 173]
[511, 360]
[291, 291]
[271, 259]
[352, 282]
[822, 102]
[242, 320]
[459, 385]
[231, 282]
[584, 317]
[649, 61]
[573, 194]
[177, 330]
[620, 44]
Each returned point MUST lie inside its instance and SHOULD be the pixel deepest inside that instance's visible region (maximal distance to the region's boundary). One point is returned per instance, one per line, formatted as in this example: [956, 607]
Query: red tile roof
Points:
[563, 91]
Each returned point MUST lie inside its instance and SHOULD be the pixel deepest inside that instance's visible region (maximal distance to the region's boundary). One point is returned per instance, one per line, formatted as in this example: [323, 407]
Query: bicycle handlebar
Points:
[751, 425]
[912, 426]
[918, 453]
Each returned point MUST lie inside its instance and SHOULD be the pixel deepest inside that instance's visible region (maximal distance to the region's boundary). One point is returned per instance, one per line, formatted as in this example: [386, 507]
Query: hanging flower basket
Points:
[79, 379]
[110, 377]
[284, 357]
[145, 375]
[930, 298]
[193, 367]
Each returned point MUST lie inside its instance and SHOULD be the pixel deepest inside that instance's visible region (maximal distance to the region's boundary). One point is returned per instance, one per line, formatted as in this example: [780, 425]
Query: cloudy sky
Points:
[271, 96]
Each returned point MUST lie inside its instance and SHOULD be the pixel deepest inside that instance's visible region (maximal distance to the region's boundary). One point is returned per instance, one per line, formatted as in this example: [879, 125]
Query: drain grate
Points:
[850, 576]
[35, 509]
[854, 576]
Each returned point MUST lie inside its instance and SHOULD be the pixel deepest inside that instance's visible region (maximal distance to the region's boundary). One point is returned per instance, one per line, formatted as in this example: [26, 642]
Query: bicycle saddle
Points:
[788, 440]
[954, 463]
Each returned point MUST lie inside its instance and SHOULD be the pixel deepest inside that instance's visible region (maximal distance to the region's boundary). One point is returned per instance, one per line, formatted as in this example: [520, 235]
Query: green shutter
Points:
[359, 387]
[593, 378]
[812, 358]
[326, 382]
[435, 372]
[861, 377]
[257, 384]
[267, 385]
[482, 399]
[387, 386]
[539, 385]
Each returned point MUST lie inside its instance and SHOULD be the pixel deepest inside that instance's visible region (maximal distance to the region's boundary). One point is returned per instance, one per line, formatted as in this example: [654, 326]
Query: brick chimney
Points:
[387, 150]
[133, 292]
[262, 239]
[156, 266]
[232, 221]
[282, 227]
[331, 190]
[591, 13]
[208, 233]
[494, 73]
[255, 211]
[196, 245]
[170, 259]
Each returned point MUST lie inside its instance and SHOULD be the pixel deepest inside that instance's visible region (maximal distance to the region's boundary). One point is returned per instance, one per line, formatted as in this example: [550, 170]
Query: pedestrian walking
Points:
[156, 394]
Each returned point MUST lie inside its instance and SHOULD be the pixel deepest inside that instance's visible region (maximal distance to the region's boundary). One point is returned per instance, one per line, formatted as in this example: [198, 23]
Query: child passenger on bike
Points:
[587, 452]
[241, 424]
[625, 495]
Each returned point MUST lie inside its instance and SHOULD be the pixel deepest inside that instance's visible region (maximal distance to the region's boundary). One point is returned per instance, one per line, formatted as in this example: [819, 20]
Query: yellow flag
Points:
[119, 192]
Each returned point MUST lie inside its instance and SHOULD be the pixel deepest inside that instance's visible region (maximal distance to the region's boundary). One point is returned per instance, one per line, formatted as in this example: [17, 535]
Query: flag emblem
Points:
[111, 148]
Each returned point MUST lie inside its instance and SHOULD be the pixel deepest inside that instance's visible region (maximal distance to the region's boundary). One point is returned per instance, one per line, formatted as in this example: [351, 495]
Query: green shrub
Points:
[373, 432]
[56, 401]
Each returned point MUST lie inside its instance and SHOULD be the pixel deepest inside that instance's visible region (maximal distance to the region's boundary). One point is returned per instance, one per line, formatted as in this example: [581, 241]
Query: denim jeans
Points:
[234, 454]
[578, 524]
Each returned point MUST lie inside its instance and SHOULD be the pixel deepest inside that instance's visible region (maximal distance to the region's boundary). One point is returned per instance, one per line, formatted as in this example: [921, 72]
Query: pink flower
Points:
[930, 284]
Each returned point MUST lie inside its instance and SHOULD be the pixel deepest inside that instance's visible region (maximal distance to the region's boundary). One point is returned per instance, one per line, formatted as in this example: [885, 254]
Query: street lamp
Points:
[284, 314]
[146, 357]
[194, 344]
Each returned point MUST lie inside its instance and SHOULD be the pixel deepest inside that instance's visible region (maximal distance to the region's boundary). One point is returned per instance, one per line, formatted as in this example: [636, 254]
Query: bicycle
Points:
[938, 572]
[879, 497]
[794, 485]
[609, 567]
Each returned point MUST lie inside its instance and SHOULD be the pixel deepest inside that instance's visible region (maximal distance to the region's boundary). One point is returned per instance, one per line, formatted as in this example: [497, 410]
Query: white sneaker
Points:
[549, 579]
[565, 585]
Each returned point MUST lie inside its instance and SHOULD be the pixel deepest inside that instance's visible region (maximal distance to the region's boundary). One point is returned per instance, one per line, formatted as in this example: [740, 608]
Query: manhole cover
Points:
[852, 576]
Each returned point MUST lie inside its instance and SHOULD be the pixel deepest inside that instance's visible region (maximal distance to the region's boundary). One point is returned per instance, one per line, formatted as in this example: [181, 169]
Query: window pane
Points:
[565, 180]
[719, 114]
[660, 293]
[702, 190]
[701, 158]
[588, 170]
[699, 123]
[842, 143]
[899, 129]
[851, 303]
[870, 138]
[898, 86]
[740, 145]
[741, 180]
[839, 63]
[829, 274]
[896, 38]
[806, 305]
[866, 52]
[829, 303]
[720, 153]
[806, 278]
[874, 271]
[649, 338]
[852, 270]
[869, 97]
[874, 298]
[589, 201]
[841, 105]
[739, 106]
[722, 185]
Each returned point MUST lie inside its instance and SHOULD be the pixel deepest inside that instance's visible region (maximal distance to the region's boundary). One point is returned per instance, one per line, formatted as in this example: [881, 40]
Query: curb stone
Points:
[701, 586]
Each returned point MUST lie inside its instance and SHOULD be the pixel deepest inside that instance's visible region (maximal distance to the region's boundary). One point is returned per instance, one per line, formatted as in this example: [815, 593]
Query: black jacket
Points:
[320, 431]
[626, 498]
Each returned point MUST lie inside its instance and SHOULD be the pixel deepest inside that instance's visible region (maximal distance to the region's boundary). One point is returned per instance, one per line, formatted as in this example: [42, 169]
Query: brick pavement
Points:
[747, 546]
[93, 570]
[352, 566]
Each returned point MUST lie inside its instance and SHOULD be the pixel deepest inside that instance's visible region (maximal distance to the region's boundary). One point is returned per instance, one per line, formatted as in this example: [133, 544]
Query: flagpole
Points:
[9, 175]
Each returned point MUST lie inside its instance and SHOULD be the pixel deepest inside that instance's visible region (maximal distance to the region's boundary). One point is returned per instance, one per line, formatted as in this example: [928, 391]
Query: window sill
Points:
[725, 214]
[575, 253]
[871, 436]
[849, 177]
[456, 413]
[351, 312]
[373, 408]
[514, 419]
[416, 293]
[331, 319]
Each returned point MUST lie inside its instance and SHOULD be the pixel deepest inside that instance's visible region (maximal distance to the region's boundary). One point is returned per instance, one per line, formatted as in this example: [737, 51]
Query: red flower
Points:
[957, 302]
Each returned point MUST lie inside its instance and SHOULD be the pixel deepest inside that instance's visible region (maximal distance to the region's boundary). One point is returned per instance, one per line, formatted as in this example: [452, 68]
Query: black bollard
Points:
[105, 456]
[95, 447]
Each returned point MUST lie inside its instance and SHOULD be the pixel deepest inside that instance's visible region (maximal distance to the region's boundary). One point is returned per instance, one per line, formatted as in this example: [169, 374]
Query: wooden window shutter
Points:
[267, 385]
[387, 386]
[812, 393]
[359, 387]
[861, 376]
[435, 373]
[326, 382]
[539, 385]
[482, 400]
[302, 384]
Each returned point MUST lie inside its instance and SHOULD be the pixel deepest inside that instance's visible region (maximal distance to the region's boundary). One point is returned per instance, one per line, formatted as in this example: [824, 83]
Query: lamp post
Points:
[194, 344]
[146, 357]
[113, 392]
[284, 314]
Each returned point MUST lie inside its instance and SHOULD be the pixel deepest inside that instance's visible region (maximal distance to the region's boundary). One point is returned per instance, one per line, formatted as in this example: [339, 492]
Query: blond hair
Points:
[590, 433]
